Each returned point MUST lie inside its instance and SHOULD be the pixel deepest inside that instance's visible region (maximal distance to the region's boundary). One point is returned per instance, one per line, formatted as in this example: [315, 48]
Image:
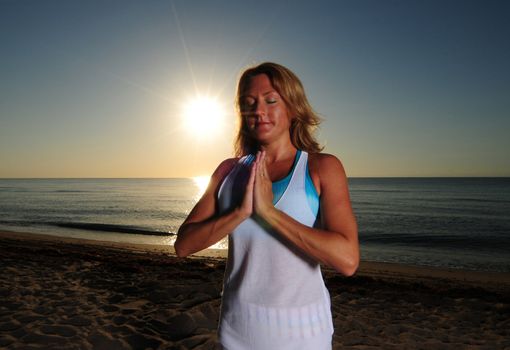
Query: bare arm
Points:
[336, 244]
[203, 227]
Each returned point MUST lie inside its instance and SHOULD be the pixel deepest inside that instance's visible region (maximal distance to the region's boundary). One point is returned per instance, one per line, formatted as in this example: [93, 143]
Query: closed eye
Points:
[247, 105]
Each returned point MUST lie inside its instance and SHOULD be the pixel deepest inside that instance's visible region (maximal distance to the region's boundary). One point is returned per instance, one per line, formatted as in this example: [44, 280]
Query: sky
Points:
[405, 88]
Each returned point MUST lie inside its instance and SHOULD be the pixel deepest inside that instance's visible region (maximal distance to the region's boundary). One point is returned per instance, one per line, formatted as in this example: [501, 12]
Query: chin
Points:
[263, 139]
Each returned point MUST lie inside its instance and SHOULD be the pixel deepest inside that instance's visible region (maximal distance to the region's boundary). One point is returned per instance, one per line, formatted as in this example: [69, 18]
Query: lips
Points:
[262, 124]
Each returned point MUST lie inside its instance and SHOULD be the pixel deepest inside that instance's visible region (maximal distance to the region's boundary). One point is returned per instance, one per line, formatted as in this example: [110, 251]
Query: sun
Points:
[203, 116]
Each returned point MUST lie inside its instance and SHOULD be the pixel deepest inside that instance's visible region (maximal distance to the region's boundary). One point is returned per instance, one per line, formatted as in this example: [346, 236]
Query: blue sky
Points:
[405, 88]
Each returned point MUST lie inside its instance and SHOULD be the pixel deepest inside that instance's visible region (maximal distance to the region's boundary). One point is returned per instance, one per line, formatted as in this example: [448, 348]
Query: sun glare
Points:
[201, 183]
[203, 116]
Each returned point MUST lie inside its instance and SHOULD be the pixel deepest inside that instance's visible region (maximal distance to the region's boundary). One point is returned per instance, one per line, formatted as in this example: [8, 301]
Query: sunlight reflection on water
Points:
[201, 182]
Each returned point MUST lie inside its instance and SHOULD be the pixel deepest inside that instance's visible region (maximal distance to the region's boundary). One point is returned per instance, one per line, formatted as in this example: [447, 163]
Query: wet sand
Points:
[76, 294]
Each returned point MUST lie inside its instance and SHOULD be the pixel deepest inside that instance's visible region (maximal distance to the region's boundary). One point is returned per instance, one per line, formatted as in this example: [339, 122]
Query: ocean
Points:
[459, 223]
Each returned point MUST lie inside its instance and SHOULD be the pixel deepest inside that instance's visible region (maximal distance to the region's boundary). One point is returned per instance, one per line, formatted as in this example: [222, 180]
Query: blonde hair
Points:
[304, 120]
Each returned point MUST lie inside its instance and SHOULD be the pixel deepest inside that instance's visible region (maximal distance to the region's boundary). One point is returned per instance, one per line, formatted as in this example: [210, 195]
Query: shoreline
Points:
[385, 270]
[72, 293]
[134, 247]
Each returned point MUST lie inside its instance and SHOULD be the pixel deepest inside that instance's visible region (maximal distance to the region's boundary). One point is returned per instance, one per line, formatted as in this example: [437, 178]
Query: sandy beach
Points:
[67, 293]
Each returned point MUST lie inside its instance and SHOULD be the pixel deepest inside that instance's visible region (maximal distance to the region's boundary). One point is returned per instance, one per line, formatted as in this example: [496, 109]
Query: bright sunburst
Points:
[203, 116]
[201, 182]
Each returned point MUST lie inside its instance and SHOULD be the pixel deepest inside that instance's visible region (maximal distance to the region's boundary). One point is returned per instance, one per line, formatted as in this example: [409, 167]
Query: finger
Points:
[264, 165]
[257, 158]
[251, 180]
[250, 187]
[247, 203]
[259, 164]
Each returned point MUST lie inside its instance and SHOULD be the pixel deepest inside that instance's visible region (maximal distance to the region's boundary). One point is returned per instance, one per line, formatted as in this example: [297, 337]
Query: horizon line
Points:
[190, 177]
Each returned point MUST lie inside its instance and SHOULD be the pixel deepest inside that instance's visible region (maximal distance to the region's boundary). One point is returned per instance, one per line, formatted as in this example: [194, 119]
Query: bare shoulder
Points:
[205, 207]
[326, 169]
[324, 161]
[224, 168]
[222, 171]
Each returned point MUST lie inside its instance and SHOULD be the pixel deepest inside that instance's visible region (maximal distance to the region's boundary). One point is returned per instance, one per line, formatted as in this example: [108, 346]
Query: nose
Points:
[259, 110]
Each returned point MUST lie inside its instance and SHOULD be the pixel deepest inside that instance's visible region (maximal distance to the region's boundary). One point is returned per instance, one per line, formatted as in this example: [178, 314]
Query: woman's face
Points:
[264, 110]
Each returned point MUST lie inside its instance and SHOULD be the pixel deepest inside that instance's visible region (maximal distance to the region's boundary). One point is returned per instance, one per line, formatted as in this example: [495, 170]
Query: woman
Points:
[286, 209]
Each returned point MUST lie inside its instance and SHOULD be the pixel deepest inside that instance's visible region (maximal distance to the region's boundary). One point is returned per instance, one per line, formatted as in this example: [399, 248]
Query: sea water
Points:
[443, 222]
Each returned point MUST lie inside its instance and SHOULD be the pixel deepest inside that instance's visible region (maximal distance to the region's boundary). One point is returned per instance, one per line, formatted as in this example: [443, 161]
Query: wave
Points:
[356, 190]
[72, 191]
[110, 228]
[491, 243]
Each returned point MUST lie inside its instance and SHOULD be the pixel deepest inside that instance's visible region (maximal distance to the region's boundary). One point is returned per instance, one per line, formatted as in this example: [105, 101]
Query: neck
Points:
[278, 151]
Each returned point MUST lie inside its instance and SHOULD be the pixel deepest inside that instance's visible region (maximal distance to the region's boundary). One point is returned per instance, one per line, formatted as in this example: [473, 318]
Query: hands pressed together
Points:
[334, 244]
[258, 197]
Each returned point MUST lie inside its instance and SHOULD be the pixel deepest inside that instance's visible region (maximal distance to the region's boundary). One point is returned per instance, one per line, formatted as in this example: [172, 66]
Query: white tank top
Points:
[271, 289]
